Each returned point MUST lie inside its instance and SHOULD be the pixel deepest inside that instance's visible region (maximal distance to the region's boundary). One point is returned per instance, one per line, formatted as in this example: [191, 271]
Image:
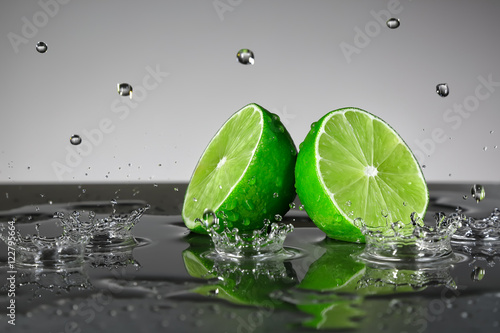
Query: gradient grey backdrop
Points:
[300, 72]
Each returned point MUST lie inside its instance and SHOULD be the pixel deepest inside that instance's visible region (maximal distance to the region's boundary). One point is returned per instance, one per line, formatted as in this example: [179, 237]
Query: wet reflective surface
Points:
[171, 280]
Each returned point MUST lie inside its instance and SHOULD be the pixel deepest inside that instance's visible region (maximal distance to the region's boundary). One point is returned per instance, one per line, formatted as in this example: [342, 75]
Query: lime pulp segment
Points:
[367, 169]
[223, 163]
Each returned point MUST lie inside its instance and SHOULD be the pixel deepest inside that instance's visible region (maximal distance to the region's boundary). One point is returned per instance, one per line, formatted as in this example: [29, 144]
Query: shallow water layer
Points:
[174, 280]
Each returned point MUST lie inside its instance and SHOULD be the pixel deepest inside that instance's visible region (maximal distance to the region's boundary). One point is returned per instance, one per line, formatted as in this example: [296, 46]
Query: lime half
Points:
[246, 173]
[353, 165]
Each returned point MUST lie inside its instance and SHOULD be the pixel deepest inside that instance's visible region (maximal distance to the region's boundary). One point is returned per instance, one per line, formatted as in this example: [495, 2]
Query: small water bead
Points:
[301, 207]
[195, 200]
[176, 189]
[477, 274]
[125, 89]
[278, 217]
[75, 140]
[275, 195]
[245, 57]
[41, 47]
[292, 205]
[465, 197]
[478, 192]
[442, 89]
[393, 23]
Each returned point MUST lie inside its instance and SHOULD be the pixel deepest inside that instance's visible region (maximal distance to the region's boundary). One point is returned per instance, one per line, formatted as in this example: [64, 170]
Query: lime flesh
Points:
[353, 165]
[246, 173]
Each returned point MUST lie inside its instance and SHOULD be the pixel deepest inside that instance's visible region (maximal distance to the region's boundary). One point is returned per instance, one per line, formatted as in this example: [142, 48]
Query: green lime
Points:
[353, 165]
[246, 173]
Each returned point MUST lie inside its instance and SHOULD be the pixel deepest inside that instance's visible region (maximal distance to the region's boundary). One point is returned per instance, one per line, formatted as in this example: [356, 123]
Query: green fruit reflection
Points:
[337, 284]
[240, 281]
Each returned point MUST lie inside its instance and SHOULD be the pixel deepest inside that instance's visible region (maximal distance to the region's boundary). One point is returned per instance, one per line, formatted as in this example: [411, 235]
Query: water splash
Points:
[39, 251]
[471, 229]
[80, 230]
[397, 276]
[232, 242]
[111, 232]
[399, 243]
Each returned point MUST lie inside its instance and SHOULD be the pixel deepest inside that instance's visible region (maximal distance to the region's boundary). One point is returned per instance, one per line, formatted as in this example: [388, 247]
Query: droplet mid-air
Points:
[75, 140]
[41, 47]
[125, 89]
[245, 57]
[442, 89]
[478, 192]
[393, 23]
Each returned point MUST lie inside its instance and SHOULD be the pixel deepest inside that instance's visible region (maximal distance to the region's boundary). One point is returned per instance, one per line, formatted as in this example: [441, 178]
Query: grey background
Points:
[300, 72]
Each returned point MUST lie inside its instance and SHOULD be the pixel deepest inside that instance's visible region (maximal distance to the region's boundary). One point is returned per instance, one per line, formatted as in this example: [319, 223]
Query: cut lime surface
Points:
[353, 165]
[246, 173]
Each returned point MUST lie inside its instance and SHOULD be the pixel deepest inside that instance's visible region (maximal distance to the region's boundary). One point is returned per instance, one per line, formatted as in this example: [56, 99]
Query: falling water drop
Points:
[75, 140]
[477, 274]
[478, 192]
[245, 57]
[278, 217]
[442, 89]
[125, 89]
[41, 47]
[393, 23]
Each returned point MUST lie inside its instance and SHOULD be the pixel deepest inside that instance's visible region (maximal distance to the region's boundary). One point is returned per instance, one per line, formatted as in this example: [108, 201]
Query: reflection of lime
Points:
[353, 165]
[246, 173]
[241, 282]
[338, 271]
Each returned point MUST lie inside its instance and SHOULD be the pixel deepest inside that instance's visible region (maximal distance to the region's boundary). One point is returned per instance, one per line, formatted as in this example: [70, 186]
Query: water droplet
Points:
[348, 203]
[313, 125]
[275, 195]
[252, 181]
[195, 200]
[424, 166]
[220, 187]
[478, 192]
[176, 189]
[278, 217]
[485, 148]
[41, 47]
[245, 57]
[491, 132]
[477, 274]
[393, 23]
[301, 207]
[125, 89]
[465, 197]
[75, 140]
[464, 315]
[292, 205]
[442, 89]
